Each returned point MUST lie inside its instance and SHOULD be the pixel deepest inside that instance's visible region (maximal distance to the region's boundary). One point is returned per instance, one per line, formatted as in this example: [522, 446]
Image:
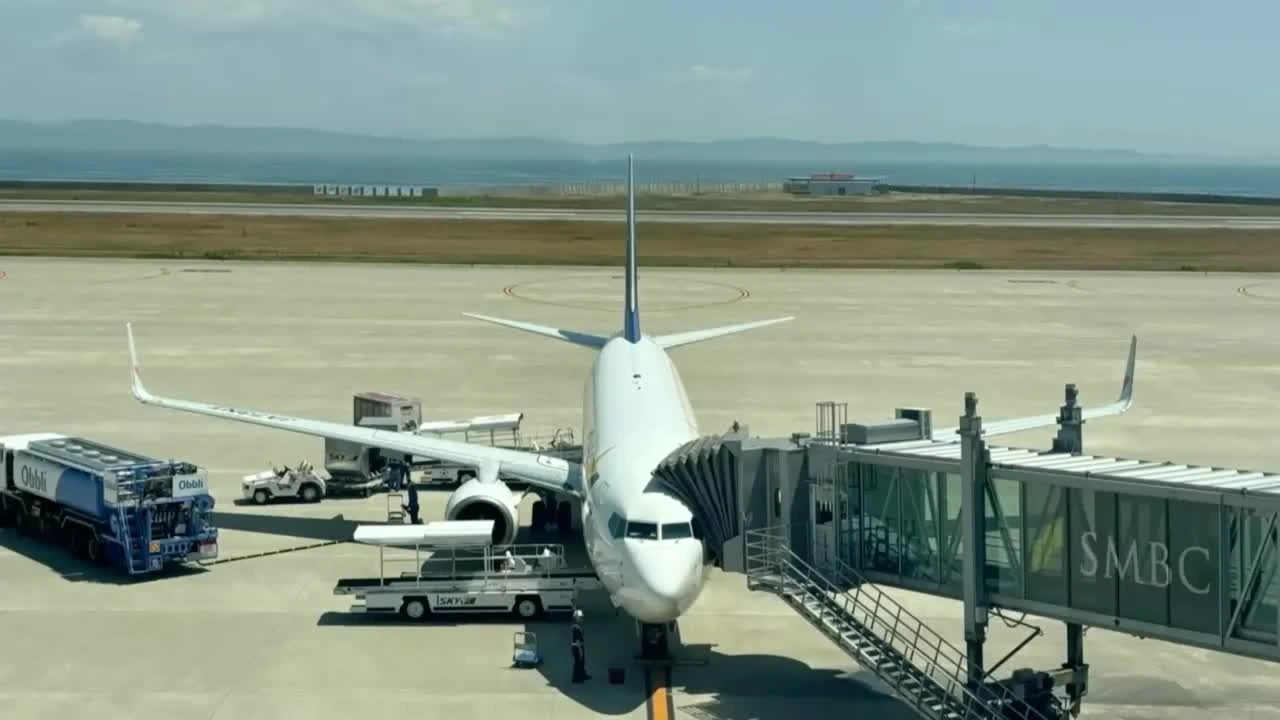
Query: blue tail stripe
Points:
[631, 311]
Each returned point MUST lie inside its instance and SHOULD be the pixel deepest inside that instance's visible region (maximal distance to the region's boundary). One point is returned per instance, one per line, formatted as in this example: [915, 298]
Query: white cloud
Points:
[976, 28]
[483, 16]
[728, 75]
[442, 16]
[112, 29]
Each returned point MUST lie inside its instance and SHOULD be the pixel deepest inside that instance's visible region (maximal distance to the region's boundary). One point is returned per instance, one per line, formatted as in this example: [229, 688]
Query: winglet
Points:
[139, 391]
[1119, 406]
[1126, 387]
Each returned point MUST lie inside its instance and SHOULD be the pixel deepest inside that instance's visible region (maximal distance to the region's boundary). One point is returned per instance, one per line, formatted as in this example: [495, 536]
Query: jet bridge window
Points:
[676, 531]
[642, 530]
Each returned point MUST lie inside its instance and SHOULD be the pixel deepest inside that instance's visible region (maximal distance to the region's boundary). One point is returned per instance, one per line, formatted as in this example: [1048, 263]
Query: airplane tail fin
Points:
[631, 305]
[631, 309]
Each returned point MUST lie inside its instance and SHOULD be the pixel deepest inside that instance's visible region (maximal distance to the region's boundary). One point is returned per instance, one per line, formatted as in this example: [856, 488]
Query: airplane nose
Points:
[668, 584]
[668, 577]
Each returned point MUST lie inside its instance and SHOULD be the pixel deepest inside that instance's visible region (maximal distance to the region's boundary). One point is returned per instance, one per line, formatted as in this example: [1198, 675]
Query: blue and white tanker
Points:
[110, 506]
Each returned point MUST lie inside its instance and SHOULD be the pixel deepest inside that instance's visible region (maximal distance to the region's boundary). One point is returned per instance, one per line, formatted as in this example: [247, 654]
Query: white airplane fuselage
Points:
[635, 412]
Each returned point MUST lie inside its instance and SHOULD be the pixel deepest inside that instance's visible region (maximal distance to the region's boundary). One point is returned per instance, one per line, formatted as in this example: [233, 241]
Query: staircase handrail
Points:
[945, 656]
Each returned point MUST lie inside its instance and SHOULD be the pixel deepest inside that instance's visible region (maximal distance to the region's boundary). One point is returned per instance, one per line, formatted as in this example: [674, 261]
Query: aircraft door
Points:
[773, 481]
[822, 514]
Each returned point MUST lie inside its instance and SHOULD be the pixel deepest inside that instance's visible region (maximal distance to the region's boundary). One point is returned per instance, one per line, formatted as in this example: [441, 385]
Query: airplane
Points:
[645, 545]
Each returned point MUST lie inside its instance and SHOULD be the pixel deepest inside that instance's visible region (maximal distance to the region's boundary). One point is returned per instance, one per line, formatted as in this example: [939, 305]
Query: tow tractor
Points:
[300, 483]
[457, 570]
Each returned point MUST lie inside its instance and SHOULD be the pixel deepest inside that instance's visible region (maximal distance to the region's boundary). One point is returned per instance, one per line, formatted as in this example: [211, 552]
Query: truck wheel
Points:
[310, 493]
[261, 497]
[22, 521]
[92, 548]
[415, 609]
[528, 607]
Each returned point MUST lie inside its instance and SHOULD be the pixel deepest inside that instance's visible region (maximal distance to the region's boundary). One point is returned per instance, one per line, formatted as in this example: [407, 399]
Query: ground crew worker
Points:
[579, 646]
[395, 476]
[412, 507]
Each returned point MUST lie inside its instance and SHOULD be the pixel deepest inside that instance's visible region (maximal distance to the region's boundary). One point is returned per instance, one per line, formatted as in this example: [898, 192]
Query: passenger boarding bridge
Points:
[1180, 553]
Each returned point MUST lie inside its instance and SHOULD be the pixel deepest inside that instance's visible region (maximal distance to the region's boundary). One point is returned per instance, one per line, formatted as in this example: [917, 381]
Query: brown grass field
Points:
[574, 243]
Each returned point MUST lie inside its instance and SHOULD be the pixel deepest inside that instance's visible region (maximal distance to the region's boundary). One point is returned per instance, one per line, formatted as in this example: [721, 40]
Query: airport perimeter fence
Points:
[603, 188]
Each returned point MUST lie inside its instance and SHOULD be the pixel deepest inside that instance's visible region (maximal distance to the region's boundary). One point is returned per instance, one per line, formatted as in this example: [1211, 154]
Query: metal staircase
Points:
[925, 670]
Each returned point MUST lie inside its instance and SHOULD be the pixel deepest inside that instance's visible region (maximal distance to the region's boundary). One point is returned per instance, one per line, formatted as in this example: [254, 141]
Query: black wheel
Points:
[92, 548]
[528, 607]
[22, 521]
[261, 496]
[310, 493]
[69, 536]
[539, 520]
[415, 609]
[466, 477]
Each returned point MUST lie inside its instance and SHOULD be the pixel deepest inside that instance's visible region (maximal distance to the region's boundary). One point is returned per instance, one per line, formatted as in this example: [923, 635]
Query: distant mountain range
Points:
[123, 135]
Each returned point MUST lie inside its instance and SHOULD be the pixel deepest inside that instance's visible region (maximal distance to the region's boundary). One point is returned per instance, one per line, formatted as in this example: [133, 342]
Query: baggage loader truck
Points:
[110, 506]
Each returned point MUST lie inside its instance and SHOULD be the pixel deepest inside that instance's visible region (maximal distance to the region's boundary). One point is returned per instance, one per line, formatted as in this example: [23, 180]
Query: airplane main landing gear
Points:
[551, 513]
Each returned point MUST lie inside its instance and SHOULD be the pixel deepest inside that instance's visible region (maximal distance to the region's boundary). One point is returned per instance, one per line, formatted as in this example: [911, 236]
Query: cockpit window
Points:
[642, 530]
[616, 526]
[674, 531]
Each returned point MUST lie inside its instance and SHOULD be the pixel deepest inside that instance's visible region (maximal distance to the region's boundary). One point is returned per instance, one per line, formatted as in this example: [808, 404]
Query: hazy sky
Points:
[1172, 75]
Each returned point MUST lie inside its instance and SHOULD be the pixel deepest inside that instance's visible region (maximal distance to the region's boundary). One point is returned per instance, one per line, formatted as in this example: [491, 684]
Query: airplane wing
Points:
[1001, 427]
[541, 471]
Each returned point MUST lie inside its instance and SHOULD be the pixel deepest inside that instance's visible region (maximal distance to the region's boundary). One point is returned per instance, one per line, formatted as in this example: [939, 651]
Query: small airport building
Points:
[417, 191]
[822, 184]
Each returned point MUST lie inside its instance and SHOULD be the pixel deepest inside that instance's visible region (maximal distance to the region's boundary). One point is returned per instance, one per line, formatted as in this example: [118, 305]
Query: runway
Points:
[719, 217]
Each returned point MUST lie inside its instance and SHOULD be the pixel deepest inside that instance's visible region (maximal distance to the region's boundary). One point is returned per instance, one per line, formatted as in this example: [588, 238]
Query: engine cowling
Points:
[480, 500]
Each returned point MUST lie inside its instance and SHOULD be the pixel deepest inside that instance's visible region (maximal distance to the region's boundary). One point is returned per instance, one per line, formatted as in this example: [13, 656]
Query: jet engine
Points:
[487, 500]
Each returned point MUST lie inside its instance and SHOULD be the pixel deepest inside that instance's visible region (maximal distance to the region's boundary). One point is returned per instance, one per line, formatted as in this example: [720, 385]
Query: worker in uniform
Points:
[579, 647]
[395, 476]
[412, 508]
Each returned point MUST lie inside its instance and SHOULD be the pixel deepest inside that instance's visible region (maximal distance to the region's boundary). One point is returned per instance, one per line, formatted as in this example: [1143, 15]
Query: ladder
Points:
[133, 539]
[395, 508]
[922, 668]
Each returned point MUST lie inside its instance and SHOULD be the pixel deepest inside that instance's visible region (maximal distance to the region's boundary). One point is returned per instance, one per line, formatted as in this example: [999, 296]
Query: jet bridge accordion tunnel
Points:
[733, 483]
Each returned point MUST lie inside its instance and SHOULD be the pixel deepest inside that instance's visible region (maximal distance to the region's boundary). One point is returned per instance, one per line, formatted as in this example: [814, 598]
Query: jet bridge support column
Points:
[1075, 672]
[973, 483]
